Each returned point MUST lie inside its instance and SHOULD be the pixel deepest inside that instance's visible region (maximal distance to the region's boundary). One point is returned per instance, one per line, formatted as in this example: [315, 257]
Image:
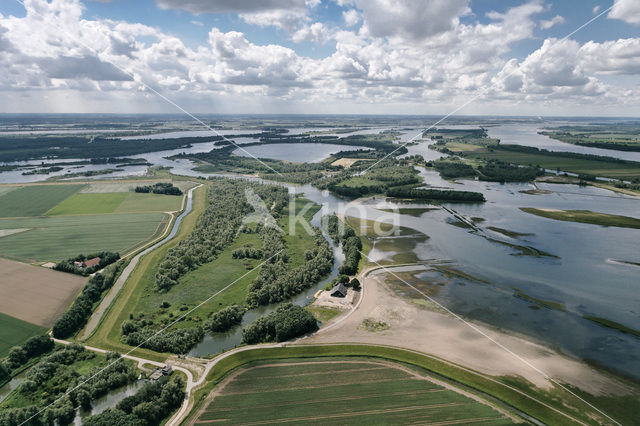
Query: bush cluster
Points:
[106, 259]
[224, 319]
[149, 406]
[276, 281]
[165, 188]
[142, 333]
[286, 322]
[61, 389]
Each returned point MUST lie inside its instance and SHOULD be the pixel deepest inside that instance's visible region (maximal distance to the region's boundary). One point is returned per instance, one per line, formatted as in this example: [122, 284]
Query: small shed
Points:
[339, 290]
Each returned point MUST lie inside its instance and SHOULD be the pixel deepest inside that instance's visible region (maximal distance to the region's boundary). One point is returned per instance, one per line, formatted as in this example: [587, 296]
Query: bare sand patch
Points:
[34, 294]
[440, 334]
[345, 162]
[325, 300]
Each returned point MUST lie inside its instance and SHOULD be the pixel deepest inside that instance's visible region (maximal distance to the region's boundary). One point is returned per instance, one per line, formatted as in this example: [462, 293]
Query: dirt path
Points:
[442, 335]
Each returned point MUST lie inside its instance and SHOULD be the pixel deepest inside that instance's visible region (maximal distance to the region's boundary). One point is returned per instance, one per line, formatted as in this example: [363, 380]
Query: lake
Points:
[295, 152]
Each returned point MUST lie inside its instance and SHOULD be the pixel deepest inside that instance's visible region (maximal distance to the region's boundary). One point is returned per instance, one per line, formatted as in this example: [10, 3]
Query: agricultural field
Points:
[14, 332]
[34, 294]
[88, 204]
[50, 222]
[34, 200]
[53, 238]
[115, 202]
[340, 392]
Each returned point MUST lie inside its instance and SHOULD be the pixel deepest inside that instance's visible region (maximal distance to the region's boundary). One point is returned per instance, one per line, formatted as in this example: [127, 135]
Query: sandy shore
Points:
[441, 334]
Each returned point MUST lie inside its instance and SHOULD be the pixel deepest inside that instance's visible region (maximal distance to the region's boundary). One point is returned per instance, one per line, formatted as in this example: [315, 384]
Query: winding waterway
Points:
[584, 278]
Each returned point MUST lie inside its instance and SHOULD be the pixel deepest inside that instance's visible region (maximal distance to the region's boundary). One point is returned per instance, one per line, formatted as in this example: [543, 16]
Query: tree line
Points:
[21, 148]
[341, 233]
[164, 188]
[276, 281]
[78, 314]
[20, 355]
[435, 194]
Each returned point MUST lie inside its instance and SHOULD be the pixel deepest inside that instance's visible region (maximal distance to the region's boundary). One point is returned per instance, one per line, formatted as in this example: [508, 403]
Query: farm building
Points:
[167, 370]
[87, 263]
[339, 291]
[91, 262]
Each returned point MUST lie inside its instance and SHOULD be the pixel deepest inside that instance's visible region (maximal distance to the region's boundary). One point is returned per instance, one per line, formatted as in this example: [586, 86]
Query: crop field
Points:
[89, 204]
[34, 200]
[34, 294]
[136, 202]
[116, 202]
[14, 332]
[340, 392]
[53, 238]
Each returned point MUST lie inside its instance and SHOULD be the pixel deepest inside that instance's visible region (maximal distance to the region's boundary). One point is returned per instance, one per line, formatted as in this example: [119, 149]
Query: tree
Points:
[355, 283]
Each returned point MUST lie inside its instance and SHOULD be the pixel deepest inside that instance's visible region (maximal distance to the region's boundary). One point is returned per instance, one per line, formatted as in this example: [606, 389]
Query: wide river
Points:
[585, 277]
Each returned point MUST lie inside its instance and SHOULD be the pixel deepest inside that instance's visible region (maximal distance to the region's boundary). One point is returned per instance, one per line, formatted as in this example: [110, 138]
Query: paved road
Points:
[94, 320]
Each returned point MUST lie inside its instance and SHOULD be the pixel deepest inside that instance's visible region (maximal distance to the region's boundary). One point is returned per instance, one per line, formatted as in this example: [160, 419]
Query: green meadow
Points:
[15, 332]
[34, 200]
[53, 238]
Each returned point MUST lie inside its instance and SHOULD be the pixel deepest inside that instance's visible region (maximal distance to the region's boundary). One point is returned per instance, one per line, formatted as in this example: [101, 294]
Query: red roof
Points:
[92, 262]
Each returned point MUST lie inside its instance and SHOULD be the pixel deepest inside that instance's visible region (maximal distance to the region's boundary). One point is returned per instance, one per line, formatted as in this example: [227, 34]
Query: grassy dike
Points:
[107, 335]
[547, 407]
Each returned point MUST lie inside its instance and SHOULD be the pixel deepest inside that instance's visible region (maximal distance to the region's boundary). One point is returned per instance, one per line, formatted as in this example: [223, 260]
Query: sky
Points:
[473, 57]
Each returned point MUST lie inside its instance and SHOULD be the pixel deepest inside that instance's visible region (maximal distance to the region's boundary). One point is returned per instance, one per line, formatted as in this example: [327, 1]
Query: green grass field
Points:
[199, 284]
[116, 202]
[550, 161]
[34, 200]
[89, 204]
[136, 202]
[53, 238]
[339, 392]
[586, 216]
[15, 332]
